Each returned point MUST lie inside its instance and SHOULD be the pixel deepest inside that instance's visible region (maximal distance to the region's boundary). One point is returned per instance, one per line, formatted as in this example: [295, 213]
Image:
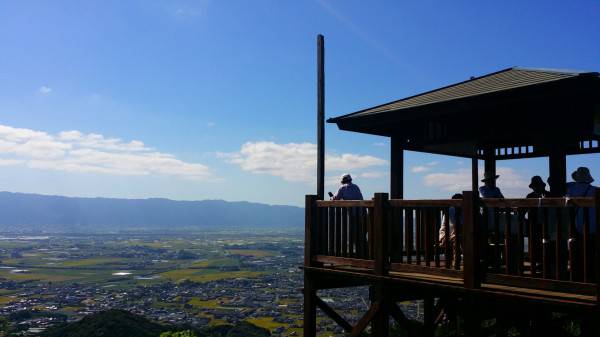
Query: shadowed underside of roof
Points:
[506, 79]
[510, 108]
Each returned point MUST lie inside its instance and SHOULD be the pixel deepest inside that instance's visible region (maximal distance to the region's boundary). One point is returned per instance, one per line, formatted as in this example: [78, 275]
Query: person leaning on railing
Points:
[454, 226]
[347, 190]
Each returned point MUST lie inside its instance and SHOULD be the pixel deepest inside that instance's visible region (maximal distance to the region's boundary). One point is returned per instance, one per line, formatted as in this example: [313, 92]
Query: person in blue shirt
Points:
[348, 190]
[488, 190]
[582, 187]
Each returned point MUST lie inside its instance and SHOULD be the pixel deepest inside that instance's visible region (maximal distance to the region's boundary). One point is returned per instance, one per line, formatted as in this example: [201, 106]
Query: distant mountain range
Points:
[34, 212]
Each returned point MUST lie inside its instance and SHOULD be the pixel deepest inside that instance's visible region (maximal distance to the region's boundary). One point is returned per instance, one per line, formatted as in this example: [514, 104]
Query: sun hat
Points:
[582, 175]
[346, 177]
[537, 181]
[489, 176]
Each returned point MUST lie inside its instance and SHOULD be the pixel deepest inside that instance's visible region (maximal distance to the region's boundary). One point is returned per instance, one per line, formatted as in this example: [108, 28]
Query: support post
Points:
[471, 237]
[557, 168]
[310, 222]
[310, 307]
[320, 117]
[380, 233]
[475, 175]
[396, 168]
[428, 316]
[597, 250]
[490, 163]
[380, 324]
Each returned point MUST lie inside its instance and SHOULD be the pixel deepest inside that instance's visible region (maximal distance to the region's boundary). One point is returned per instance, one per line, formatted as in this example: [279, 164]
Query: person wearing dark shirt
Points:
[539, 188]
[488, 190]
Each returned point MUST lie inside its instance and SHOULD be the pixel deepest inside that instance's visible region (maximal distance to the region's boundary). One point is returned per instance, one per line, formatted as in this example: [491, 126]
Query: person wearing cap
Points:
[348, 190]
[582, 187]
[539, 188]
[488, 190]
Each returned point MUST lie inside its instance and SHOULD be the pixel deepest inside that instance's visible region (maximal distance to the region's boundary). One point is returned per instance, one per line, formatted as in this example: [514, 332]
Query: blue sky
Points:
[216, 99]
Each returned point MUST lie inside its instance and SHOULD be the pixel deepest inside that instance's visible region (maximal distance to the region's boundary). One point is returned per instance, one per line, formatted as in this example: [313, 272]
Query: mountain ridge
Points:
[37, 212]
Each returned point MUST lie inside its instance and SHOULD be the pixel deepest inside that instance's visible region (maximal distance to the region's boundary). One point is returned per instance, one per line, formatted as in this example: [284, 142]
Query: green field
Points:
[207, 275]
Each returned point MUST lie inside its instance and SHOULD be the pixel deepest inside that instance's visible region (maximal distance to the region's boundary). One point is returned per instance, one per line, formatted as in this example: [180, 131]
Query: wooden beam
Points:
[396, 168]
[333, 315]
[345, 261]
[362, 323]
[401, 319]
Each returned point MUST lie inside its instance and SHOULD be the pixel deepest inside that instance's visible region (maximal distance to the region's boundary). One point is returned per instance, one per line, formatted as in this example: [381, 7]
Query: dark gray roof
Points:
[506, 79]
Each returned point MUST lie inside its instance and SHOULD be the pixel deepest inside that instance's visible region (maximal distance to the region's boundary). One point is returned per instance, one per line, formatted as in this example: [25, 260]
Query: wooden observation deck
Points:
[520, 260]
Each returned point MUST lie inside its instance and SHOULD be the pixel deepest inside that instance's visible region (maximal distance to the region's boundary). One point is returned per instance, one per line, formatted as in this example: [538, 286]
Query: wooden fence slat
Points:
[447, 243]
[419, 233]
[558, 248]
[545, 244]
[507, 242]
[408, 216]
[344, 232]
[586, 244]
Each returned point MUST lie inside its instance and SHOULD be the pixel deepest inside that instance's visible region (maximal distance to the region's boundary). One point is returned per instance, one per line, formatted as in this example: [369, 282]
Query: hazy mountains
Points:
[33, 212]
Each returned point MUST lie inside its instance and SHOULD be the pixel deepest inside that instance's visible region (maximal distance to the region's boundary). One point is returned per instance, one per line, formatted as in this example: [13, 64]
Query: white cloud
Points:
[511, 182]
[372, 175]
[424, 168]
[73, 151]
[44, 90]
[420, 169]
[294, 161]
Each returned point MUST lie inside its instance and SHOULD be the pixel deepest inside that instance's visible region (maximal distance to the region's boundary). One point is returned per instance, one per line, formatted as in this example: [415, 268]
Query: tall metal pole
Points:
[320, 117]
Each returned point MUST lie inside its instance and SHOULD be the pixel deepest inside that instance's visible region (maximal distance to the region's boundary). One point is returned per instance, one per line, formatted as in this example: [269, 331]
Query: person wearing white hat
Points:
[347, 190]
[488, 190]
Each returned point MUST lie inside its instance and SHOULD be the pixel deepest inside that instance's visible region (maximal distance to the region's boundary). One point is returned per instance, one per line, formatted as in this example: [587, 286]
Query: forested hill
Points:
[120, 323]
[33, 212]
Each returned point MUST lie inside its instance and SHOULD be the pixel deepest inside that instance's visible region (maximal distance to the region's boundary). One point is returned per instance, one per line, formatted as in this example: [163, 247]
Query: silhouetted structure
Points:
[390, 243]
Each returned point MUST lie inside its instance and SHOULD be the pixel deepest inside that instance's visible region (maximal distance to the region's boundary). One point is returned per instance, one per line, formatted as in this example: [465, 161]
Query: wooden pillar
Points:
[310, 293]
[428, 316]
[490, 163]
[475, 175]
[380, 325]
[557, 166]
[320, 117]
[310, 307]
[396, 168]
[471, 233]
[310, 230]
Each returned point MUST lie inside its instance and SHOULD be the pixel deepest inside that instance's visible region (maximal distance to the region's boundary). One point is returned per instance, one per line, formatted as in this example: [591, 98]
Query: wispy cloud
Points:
[511, 182]
[44, 90]
[424, 168]
[294, 161]
[379, 144]
[74, 151]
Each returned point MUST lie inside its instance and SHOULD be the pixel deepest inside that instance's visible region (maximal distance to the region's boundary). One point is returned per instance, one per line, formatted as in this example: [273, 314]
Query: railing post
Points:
[379, 233]
[310, 222]
[597, 238]
[471, 237]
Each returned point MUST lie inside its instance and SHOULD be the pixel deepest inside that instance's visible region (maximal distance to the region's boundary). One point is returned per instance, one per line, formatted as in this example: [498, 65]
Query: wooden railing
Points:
[547, 244]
